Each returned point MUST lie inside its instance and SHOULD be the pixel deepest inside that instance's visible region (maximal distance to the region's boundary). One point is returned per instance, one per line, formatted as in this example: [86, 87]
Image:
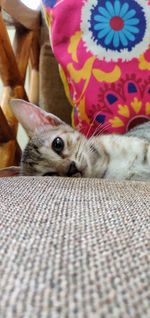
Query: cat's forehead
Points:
[47, 134]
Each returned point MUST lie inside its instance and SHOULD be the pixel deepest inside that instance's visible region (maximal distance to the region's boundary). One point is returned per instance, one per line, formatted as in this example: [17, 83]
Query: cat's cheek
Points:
[86, 169]
[93, 159]
[96, 165]
[63, 167]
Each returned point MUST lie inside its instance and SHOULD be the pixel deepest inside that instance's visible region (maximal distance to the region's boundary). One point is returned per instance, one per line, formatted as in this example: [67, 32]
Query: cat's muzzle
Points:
[73, 171]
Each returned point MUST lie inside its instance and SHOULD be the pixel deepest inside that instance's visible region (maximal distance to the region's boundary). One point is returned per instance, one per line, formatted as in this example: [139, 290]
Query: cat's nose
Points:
[72, 169]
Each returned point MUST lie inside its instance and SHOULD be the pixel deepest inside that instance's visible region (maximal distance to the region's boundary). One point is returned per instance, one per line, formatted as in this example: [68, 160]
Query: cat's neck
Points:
[124, 155]
[113, 144]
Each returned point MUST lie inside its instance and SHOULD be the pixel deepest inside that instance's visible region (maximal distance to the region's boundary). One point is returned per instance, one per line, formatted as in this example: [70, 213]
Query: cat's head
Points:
[54, 148]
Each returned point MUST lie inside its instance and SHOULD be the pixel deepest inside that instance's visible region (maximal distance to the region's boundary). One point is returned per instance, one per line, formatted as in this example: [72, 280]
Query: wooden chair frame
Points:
[13, 66]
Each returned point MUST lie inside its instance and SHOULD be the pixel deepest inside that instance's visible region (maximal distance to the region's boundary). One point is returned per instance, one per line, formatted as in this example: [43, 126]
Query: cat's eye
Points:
[58, 145]
[50, 174]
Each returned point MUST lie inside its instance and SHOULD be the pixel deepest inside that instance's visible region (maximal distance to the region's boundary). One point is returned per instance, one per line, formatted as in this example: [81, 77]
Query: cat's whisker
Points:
[88, 132]
[96, 130]
[98, 127]
[101, 130]
[80, 144]
[88, 141]
[104, 127]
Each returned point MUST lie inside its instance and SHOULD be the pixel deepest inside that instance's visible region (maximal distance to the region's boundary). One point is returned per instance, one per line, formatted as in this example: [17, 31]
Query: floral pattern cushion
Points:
[103, 49]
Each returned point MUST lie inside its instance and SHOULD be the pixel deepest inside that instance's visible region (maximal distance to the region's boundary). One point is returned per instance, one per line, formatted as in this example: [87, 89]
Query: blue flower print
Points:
[117, 24]
[49, 3]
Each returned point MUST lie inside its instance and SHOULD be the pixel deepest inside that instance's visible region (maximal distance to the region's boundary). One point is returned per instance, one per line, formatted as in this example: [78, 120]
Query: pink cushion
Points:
[103, 48]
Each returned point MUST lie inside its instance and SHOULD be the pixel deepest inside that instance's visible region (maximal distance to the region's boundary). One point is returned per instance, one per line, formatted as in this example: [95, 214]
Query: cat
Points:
[56, 149]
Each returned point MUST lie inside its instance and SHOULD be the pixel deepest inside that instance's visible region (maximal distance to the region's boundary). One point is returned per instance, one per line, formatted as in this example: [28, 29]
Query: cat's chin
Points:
[96, 166]
[77, 175]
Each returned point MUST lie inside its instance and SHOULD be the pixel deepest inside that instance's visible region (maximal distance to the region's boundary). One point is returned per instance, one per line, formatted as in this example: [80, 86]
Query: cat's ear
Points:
[32, 117]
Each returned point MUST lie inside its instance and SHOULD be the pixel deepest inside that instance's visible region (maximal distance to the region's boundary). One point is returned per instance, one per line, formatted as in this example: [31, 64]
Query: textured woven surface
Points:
[74, 248]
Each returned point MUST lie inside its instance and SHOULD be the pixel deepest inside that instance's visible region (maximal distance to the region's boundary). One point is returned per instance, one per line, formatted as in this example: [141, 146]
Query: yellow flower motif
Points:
[148, 109]
[124, 111]
[136, 105]
[66, 86]
[73, 46]
[83, 74]
[144, 64]
[110, 77]
[116, 122]
[82, 111]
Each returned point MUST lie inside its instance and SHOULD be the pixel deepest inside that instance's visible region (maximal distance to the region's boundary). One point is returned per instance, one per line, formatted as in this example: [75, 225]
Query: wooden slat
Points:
[7, 153]
[35, 51]
[22, 48]
[13, 66]
[5, 130]
[7, 135]
[9, 70]
[34, 75]
[10, 74]
[29, 18]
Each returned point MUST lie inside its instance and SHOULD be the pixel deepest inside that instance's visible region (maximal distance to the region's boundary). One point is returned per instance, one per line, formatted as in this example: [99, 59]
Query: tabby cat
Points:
[56, 149]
